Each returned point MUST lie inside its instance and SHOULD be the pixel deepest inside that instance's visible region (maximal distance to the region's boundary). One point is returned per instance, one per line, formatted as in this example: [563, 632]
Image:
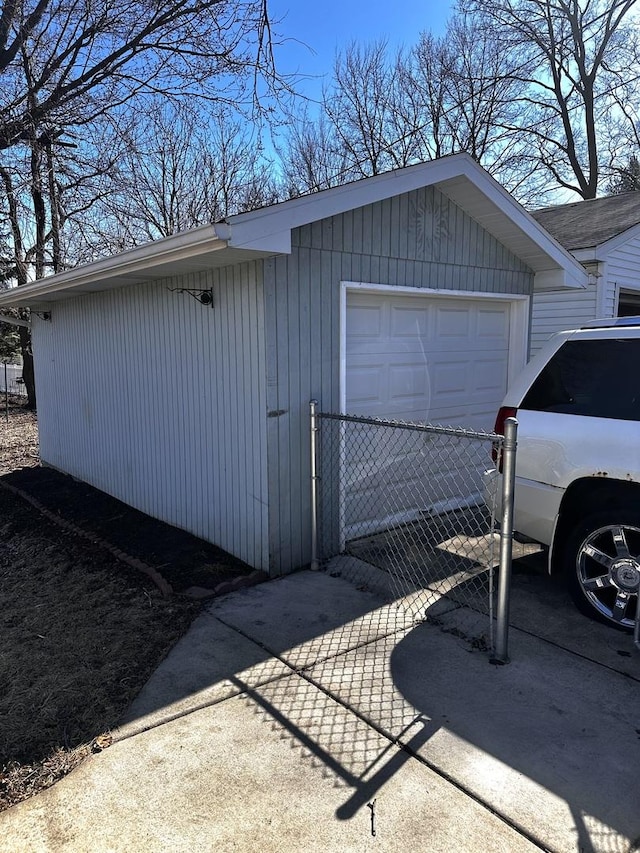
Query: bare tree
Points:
[385, 111]
[85, 59]
[68, 67]
[577, 60]
[181, 170]
[626, 178]
[458, 96]
[312, 157]
[9, 336]
[359, 106]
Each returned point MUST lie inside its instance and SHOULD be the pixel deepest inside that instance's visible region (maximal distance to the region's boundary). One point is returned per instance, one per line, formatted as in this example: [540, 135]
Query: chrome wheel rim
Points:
[608, 569]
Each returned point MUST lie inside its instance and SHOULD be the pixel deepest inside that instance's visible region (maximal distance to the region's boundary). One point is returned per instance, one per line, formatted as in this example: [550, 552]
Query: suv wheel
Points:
[602, 558]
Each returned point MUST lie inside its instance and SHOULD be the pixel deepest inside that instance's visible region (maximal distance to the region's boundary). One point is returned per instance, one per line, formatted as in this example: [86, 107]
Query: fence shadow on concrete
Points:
[359, 689]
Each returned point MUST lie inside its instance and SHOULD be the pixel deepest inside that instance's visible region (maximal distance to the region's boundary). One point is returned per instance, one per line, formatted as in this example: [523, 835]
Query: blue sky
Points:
[328, 25]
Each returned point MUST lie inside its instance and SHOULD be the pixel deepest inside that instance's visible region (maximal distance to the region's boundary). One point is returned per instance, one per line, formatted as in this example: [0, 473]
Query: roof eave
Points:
[267, 231]
[150, 260]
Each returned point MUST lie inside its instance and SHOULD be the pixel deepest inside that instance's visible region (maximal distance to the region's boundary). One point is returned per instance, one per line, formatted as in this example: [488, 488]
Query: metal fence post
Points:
[501, 653]
[315, 565]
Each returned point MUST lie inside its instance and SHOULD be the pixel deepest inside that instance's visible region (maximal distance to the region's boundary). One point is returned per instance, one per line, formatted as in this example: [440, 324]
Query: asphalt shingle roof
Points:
[584, 224]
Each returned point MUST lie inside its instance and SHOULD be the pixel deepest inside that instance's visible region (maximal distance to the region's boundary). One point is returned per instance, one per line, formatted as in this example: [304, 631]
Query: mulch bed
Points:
[182, 559]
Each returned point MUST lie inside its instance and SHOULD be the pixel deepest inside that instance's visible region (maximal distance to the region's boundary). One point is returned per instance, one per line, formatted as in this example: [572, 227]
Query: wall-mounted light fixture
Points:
[44, 315]
[204, 296]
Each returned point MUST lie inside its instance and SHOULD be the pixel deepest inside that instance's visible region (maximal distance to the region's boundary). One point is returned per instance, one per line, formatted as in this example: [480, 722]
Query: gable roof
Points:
[267, 231]
[591, 222]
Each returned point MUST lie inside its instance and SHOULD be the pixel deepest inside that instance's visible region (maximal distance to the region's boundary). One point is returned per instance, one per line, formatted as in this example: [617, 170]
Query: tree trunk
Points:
[27, 367]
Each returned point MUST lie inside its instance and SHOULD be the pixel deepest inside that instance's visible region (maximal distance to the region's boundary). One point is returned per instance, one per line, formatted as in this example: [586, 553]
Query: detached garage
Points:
[176, 376]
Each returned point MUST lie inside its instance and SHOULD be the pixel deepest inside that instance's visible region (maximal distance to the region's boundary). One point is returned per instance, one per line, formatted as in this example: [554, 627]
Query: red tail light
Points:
[503, 413]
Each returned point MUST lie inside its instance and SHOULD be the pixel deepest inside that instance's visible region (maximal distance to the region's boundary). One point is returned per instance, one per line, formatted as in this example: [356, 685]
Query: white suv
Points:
[578, 463]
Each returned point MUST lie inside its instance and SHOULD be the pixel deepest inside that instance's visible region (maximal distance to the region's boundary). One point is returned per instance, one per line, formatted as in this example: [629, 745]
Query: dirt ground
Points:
[81, 630]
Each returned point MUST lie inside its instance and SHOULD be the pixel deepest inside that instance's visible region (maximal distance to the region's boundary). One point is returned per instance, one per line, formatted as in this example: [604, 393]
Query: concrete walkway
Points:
[307, 715]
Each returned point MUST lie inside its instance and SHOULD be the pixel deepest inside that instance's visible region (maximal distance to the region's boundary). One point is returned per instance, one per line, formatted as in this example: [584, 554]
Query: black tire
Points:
[601, 559]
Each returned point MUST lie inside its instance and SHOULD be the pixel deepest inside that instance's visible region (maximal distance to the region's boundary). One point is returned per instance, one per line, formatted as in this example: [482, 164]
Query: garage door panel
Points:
[449, 378]
[365, 321]
[365, 381]
[490, 377]
[490, 324]
[468, 347]
[400, 375]
[424, 368]
[407, 382]
[463, 416]
[409, 322]
[387, 490]
[482, 381]
[452, 323]
[389, 348]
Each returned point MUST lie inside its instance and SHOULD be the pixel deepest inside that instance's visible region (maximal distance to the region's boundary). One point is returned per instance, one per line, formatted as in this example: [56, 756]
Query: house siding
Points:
[623, 272]
[555, 311]
[157, 400]
[420, 239]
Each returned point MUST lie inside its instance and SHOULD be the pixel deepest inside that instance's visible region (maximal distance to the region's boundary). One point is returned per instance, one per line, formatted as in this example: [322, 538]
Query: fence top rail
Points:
[433, 428]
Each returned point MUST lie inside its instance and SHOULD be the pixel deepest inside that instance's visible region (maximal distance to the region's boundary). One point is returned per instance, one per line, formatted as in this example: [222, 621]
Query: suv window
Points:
[600, 379]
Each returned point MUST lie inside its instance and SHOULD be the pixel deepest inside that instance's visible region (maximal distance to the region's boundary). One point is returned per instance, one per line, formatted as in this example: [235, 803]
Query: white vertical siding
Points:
[159, 401]
[558, 310]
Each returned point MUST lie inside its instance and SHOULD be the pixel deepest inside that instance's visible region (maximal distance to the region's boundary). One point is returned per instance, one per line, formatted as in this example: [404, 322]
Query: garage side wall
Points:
[159, 400]
[420, 239]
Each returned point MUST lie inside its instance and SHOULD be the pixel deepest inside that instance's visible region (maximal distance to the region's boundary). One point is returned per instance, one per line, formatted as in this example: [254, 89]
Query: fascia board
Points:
[553, 280]
[574, 277]
[559, 279]
[586, 256]
[268, 230]
[275, 242]
[169, 250]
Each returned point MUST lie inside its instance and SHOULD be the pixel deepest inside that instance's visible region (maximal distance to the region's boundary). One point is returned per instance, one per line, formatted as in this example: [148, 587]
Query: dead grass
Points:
[18, 438]
[81, 634]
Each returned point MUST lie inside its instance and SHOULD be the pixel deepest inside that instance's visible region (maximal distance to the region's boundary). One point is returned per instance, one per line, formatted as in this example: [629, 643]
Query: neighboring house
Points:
[604, 235]
[177, 376]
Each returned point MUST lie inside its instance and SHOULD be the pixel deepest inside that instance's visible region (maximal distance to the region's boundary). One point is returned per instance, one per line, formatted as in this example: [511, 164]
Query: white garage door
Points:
[423, 359]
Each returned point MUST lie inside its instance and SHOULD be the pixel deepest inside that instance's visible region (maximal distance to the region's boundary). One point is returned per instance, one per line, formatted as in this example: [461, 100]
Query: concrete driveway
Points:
[308, 714]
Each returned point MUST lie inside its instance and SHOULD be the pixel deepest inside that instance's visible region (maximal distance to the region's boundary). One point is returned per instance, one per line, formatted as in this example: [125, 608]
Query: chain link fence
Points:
[403, 508]
[11, 381]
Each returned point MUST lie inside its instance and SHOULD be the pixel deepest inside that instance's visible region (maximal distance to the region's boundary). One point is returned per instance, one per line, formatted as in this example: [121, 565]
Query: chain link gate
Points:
[403, 506]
